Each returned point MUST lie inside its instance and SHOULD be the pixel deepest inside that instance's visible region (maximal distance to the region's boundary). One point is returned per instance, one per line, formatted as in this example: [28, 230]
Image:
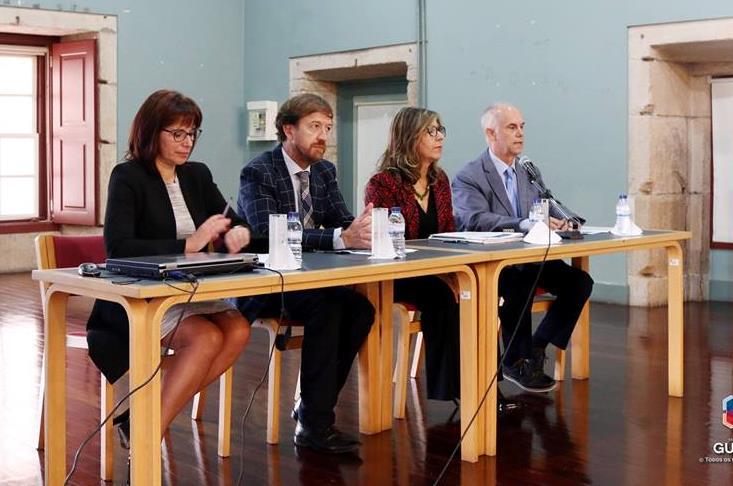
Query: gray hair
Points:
[490, 116]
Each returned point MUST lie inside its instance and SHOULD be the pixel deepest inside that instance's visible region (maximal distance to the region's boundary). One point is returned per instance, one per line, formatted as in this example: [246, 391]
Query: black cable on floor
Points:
[264, 375]
[501, 361]
[195, 285]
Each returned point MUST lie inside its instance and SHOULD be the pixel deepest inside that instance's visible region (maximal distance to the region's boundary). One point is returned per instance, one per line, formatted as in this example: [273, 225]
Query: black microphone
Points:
[532, 171]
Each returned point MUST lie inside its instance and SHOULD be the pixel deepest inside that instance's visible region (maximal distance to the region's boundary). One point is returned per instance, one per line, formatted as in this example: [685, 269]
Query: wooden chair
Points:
[62, 251]
[407, 322]
[273, 382]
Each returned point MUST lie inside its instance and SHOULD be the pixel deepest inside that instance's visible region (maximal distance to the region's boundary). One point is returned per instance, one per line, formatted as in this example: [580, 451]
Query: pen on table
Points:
[463, 242]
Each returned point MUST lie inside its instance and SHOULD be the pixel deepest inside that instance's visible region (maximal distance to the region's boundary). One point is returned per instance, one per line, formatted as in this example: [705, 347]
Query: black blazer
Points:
[265, 188]
[139, 221]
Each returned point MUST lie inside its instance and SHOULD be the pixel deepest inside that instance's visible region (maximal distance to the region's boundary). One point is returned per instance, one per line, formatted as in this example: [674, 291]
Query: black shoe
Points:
[122, 422]
[329, 440]
[296, 407]
[529, 375]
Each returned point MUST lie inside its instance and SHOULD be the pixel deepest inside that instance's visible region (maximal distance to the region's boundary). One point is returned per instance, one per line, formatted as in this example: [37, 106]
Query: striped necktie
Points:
[511, 190]
[306, 204]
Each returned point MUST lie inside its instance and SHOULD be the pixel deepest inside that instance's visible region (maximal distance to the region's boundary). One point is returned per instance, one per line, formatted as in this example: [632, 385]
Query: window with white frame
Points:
[19, 133]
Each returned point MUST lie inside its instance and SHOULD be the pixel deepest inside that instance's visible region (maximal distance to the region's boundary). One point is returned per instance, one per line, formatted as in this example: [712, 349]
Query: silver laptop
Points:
[167, 266]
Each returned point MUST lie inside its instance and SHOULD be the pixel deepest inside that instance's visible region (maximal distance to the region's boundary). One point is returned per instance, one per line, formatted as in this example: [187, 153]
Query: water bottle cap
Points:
[622, 195]
[395, 209]
[293, 214]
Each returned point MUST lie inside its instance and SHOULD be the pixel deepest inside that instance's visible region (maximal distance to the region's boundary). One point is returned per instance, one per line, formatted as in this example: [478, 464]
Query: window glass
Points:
[18, 196]
[17, 114]
[19, 184]
[18, 156]
[18, 75]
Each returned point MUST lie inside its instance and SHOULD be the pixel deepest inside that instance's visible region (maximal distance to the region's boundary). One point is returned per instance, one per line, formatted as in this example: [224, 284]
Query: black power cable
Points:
[501, 360]
[264, 375]
[195, 285]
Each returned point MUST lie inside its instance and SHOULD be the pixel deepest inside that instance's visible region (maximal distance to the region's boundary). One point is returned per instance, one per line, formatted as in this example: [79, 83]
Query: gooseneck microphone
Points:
[545, 193]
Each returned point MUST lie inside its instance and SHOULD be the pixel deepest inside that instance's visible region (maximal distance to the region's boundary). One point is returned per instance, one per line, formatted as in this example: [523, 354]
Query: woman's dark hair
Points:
[401, 156]
[298, 107]
[162, 108]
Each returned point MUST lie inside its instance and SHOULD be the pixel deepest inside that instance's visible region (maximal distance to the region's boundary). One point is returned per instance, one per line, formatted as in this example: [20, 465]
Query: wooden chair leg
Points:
[559, 364]
[418, 357]
[225, 412]
[106, 438]
[273, 399]
[42, 396]
[199, 402]
[401, 320]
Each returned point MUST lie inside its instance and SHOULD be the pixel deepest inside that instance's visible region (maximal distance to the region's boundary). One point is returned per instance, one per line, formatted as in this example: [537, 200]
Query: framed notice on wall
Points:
[722, 183]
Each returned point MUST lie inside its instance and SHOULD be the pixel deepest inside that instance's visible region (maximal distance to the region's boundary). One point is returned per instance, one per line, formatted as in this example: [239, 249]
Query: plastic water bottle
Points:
[397, 231]
[295, 237]
[623, 213]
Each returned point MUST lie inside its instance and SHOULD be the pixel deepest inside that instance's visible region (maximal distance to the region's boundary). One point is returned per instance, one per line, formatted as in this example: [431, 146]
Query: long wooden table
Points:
[146, 302]
[476, 266]
[490, 260]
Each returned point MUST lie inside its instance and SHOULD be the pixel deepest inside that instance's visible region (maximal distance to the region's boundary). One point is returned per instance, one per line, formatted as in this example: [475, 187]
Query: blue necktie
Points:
[511, 190]
[306, 204]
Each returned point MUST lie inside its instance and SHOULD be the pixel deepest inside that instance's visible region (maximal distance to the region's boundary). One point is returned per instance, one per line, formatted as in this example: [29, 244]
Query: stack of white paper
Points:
[483, 237]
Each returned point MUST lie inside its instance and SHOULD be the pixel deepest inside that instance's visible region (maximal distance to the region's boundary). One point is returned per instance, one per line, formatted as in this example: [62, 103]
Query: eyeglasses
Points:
[433, 131]
[315, 128]
[179, 134]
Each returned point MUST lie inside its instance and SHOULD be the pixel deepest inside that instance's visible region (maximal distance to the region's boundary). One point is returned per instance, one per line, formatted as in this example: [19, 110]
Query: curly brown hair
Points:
[401, 154]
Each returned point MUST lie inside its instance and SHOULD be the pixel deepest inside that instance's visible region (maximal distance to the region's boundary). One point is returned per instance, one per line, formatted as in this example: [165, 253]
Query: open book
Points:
[483, 237]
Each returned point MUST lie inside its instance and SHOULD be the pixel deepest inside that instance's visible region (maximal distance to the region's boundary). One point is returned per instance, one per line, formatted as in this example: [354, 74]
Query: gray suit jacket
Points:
[480, 202]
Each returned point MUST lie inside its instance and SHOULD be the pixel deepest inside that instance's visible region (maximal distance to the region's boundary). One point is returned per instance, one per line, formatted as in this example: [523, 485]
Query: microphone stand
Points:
[575, 220]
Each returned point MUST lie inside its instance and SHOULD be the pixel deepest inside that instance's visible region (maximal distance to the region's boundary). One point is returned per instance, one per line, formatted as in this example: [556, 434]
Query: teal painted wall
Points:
[294, 28]
[563, 63]
[187, 46]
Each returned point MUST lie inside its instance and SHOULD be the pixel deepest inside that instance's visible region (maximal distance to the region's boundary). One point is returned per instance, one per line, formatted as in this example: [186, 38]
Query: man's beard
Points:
[314, 153]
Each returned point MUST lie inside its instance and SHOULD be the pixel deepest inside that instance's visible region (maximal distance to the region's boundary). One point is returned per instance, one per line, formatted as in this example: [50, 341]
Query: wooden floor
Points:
[619, 427]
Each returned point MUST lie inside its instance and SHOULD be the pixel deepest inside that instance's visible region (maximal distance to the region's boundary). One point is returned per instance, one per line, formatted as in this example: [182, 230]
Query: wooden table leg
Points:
[369, 369]
[55, 381]
[489, 285]
[225, 412]
[144, 403]
[580, 340]
[472, 440]
[675, 300]
[386, 288]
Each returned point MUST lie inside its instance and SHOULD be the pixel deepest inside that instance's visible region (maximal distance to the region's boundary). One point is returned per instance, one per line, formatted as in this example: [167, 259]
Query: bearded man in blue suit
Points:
[294, 177]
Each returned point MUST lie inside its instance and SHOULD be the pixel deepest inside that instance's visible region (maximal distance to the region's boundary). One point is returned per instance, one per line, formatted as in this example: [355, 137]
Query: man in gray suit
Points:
[493, 193]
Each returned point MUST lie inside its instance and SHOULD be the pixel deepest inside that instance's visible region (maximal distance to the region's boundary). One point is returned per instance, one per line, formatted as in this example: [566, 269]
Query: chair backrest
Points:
[62, 251]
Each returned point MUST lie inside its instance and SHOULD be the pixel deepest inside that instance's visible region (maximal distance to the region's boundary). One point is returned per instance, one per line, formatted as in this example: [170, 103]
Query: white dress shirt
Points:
[293, 169]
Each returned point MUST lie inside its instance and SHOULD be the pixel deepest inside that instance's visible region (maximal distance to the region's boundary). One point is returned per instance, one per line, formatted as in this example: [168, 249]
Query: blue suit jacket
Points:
[480, 202]
[265, 188]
